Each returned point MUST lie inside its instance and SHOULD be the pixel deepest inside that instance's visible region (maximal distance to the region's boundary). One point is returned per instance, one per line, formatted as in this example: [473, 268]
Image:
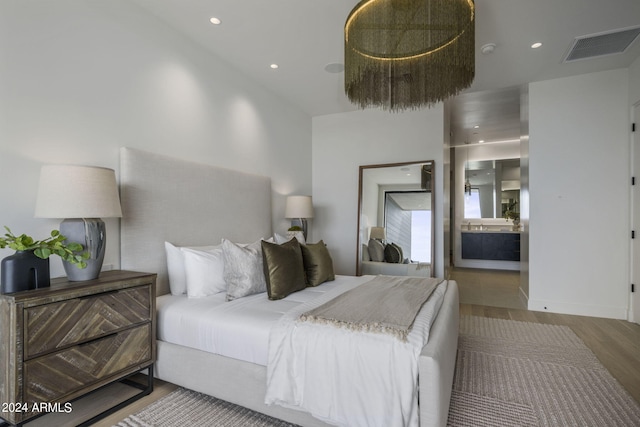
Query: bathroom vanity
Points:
[491, 245]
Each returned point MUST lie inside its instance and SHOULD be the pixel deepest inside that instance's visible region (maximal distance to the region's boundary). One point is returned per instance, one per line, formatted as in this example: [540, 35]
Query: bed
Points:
[188, 204]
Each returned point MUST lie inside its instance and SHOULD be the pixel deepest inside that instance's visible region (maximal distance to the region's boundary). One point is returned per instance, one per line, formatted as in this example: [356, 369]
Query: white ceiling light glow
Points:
[274, 66]
[536, 45]
[215, 21]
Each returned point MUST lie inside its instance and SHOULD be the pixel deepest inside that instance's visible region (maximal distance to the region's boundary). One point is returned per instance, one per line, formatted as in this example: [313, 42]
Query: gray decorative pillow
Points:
[393, 253]
[318, 264]
[402, 260]
[243, 271]
[283, 268]
[376, 250]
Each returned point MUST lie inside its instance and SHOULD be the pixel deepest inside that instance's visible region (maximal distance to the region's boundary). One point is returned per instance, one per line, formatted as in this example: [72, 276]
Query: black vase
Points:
[23, 271]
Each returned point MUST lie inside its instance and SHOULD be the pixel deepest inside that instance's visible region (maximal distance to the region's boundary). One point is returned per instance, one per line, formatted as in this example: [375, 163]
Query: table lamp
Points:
[298, 209]
[82, 195]
[377, 233]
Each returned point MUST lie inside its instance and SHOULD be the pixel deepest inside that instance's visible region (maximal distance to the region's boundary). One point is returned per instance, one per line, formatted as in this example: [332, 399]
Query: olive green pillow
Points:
[283, 268]
[318, 264]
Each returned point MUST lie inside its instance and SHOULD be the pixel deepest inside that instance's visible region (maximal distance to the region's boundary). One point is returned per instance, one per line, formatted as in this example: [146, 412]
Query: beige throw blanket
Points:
[386, 304]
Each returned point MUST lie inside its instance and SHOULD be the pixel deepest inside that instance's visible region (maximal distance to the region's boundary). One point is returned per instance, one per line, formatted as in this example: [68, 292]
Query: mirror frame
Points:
[431, 189]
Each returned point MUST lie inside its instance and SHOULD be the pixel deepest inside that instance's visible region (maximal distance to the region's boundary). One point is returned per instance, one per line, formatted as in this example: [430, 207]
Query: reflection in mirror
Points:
[495, 188]
[397, 199]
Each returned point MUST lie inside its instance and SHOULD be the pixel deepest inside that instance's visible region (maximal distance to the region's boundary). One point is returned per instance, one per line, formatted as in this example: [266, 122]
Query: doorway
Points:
[634, 306]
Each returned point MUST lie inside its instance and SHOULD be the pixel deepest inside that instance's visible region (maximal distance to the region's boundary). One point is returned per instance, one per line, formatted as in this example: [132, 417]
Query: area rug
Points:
[508, 373]
[511, 373]
[184, 407]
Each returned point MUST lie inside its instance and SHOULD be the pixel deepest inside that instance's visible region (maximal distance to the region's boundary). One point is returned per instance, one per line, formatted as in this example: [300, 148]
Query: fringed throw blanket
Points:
[346, 377]
[385, 304]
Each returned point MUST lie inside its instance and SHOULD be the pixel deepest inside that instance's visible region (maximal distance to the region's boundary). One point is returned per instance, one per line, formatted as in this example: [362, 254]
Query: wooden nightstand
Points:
[59, 343]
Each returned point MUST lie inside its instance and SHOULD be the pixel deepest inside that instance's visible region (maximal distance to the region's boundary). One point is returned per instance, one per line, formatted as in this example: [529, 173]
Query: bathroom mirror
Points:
[399, 198]
[495, 188]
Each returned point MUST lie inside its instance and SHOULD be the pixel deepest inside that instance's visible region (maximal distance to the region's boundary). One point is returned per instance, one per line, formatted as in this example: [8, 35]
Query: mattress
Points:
[238, 329]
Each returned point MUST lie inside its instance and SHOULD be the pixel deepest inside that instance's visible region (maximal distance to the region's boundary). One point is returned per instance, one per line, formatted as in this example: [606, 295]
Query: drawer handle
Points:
[113, 334]
[115, 291]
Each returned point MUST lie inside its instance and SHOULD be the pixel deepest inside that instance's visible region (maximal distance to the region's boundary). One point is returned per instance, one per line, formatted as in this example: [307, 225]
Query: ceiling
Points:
[303, 37]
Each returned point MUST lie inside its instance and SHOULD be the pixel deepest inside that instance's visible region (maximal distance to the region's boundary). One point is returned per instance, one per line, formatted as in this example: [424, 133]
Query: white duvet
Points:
[344, 377]
[238, 329]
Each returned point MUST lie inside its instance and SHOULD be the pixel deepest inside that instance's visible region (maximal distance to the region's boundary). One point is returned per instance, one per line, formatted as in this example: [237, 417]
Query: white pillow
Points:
[175, 267]
[243, 269]
[204, 272]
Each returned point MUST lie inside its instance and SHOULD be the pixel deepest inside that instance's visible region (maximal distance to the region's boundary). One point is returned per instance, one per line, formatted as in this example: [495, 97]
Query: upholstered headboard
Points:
[185, 203]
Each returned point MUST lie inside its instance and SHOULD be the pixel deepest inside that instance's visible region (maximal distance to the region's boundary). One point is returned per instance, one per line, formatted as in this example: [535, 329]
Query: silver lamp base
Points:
[90, 233]
[302, 223]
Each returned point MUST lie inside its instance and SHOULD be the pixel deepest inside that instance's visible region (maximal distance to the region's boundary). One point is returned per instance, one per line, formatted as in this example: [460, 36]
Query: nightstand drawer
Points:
[61, 324]
[55, 376]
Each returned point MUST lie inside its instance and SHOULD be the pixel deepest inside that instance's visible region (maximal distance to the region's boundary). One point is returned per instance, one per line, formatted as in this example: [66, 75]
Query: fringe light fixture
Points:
[408, 54]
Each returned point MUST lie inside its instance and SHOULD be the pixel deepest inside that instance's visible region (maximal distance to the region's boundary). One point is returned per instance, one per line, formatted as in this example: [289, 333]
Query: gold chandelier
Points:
[407, 54]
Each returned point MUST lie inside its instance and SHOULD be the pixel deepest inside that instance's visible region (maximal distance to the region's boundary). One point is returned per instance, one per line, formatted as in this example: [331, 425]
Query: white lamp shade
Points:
[377, 233]
[70, 191]
[298, 207]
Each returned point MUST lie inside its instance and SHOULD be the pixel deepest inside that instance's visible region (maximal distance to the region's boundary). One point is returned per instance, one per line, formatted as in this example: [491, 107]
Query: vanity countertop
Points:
[501, 231]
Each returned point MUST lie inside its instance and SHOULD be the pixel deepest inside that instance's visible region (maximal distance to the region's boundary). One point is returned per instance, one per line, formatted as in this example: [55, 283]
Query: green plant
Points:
[53, 245]
[511, 213]
[295, 228]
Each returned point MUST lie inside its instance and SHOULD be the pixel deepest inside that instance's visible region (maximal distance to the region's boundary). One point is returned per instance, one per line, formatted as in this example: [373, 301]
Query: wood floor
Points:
[484, 293]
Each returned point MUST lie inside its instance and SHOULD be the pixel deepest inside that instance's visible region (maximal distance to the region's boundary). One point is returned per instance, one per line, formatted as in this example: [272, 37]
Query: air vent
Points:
[608, 43]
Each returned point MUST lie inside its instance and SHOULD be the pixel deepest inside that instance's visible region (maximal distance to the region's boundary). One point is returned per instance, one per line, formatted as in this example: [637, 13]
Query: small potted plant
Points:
[512, 214]
[28, 268]
[297, 232]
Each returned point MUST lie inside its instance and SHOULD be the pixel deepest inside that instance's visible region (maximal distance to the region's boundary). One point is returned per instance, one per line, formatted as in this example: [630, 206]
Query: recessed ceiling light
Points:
[481, 141]
[274, 66]
[476, 127]
[536, 45]
[215, 21]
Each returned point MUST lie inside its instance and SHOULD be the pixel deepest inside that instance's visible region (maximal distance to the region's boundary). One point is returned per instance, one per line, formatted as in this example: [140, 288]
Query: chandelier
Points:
[408, 54]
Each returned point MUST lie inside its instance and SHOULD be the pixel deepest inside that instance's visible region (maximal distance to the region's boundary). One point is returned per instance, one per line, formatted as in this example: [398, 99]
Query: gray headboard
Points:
[185, 203]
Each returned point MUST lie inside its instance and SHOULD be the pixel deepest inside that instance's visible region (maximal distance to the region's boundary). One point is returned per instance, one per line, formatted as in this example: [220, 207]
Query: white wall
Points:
[342, 143]
[634, 107]
[579, 194]
[81, 79]
[634, 83]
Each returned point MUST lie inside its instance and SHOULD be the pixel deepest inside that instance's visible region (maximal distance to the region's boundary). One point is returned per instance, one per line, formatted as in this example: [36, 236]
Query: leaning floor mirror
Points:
[395, 219]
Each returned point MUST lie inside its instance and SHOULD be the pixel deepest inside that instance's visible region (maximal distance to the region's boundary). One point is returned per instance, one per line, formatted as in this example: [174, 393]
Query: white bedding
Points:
[239, 328]
[340, 376]
[344, 377]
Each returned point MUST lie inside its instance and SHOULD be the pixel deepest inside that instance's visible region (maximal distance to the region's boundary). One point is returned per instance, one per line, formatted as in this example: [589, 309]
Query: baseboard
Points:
[578, 309]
